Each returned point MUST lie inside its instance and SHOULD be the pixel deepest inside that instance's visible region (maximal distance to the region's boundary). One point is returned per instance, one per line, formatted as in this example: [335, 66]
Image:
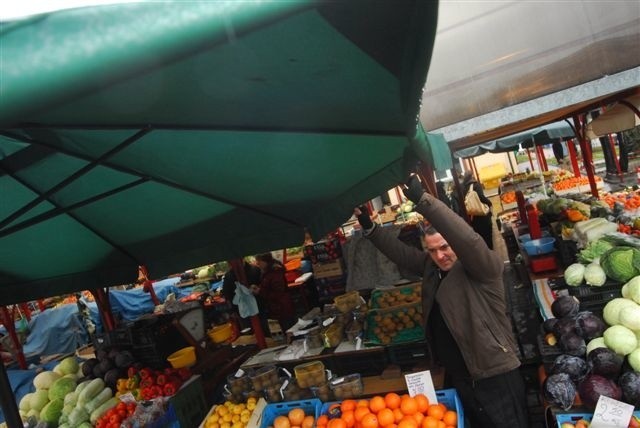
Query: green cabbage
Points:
[594, 250]
[598, 342]
[39, 399]
[61, 387]
[621, 263]
[611, 311]
[68, 366]
[629, 317]
[620, 339]
[634, 360]
[574, 274]
[594, 275]
[25, 402]
[631, 290]
[45, 379]
[52, 412]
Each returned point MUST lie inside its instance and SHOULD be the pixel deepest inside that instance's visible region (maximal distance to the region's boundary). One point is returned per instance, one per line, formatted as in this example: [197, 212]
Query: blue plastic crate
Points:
[271, 411]
[448, 397]
[575, 417]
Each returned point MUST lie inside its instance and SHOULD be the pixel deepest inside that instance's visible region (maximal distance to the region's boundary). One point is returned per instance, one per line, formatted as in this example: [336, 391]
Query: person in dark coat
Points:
[274, 289]
[482, 224]
[464, 310]
[253, 275]
[442, 194]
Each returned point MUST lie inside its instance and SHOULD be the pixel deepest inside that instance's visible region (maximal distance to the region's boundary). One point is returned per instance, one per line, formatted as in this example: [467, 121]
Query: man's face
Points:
[440, 251]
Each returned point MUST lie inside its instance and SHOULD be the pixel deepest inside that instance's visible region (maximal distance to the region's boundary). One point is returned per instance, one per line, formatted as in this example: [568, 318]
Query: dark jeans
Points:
[496, 402]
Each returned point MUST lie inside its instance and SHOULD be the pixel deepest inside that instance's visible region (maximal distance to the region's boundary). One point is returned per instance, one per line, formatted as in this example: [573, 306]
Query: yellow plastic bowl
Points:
[220, 333]
[185, 357]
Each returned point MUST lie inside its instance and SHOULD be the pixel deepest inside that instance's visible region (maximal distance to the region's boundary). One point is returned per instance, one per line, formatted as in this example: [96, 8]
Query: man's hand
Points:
[413, 189]
[255, 289]
[362, 214]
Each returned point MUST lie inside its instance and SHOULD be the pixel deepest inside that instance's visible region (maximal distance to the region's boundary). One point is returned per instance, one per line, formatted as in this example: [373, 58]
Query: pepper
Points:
[133, 382]
[157, 391]
[161, 379]
[145, 373]
[121, 385]
[147, 381]
[132, 371]
[169, 371]
[170, 389]
[184, 373]
[146, 393]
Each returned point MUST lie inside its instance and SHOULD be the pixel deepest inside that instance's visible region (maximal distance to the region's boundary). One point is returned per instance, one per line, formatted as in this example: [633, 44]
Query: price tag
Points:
[239, 373]
[421, 383]
[611, 413]
[127, 398]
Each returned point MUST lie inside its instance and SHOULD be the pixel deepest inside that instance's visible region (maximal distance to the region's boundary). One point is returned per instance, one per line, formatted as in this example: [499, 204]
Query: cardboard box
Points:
[328, 269]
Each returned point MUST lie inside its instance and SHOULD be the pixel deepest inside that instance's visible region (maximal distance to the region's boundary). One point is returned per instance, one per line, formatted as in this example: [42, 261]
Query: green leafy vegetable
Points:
[621, 263]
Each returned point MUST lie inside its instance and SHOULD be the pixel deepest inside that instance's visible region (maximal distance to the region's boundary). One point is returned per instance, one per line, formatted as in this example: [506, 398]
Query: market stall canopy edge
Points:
[223, 129]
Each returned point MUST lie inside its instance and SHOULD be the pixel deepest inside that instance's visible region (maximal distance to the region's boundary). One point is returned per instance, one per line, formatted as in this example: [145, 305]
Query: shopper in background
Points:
[442, 194]
[464, 310]
[274, 289]
[253, 275]
[480, 223]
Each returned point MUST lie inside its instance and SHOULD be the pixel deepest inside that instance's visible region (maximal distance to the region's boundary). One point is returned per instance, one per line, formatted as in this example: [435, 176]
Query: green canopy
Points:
[171, 134]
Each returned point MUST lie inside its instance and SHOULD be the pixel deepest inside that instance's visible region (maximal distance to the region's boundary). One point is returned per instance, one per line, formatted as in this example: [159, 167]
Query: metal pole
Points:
[571, 145]
[585, 146]
[8, 401]
[530, 160]
[615, 158]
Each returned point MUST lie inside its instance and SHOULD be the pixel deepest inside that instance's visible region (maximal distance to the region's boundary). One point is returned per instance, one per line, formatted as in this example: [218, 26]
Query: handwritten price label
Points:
[611, 413]
[421, 383]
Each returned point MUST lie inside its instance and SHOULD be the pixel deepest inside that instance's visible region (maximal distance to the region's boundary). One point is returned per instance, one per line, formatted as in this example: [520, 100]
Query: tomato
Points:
[122, 413]
[121, 406]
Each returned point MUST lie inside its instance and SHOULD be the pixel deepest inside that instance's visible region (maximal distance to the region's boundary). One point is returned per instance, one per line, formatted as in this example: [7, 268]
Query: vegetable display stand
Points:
[574, 417]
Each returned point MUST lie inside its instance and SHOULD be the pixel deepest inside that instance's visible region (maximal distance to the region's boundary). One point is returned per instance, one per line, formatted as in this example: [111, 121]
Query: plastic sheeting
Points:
[56, 331]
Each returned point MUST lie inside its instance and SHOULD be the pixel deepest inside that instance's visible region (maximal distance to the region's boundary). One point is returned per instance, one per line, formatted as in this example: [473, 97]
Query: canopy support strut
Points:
[104, 307]
[585, 146]
[571, 145]
[7, 400]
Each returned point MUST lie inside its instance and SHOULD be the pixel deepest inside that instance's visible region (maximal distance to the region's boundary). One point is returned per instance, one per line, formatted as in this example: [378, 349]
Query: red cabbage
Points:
[630, 384]
[593, 386]
[575, 367]
[589, 326]
[605, 362]
[565, 306]
[560, 390]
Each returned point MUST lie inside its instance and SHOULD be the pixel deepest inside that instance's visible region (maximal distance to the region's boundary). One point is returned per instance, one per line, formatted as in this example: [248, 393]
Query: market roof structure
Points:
[171, 134]
[500, 68]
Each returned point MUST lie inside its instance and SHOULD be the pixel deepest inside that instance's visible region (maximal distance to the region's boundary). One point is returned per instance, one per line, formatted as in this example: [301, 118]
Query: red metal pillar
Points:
[612, 144]
[530, 160]
[104, 307]
[571, 145]
[41, 305]
[587, 158]
[24, 307]
[237, 265]
[542, 160]
[10, 325]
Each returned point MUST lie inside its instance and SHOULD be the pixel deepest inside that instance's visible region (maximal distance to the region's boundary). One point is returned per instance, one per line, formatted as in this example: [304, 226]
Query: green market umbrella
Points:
[170, 134]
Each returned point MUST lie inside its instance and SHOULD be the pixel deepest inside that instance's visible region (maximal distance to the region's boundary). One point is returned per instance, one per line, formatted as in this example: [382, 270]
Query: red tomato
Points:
[122, 413]
[121, 406]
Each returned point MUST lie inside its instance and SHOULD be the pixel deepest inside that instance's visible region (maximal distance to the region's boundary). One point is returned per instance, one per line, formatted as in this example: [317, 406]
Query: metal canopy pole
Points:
[571, 145]
[530, 160]
[586, 154]
[615, 158]
[8, 401]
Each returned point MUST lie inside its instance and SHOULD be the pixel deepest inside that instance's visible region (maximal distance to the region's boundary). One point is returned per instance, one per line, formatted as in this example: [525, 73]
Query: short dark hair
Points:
[429, 230]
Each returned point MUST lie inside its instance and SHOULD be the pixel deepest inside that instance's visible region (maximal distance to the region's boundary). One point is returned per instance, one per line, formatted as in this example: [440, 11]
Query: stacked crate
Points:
[328, 266]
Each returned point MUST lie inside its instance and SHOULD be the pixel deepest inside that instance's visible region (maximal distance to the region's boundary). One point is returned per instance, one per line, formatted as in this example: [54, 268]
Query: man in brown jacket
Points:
[465, 310]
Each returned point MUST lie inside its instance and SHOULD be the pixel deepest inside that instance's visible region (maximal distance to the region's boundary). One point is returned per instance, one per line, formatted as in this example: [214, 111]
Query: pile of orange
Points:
[390, 411]
[296, 418]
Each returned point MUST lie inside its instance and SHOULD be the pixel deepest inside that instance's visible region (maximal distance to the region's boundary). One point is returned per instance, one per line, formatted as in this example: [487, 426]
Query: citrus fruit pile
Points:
[230, 415]
[390, 411]
[295, 419]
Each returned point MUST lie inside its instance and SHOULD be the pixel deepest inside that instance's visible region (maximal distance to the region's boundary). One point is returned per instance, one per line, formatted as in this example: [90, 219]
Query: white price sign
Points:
[611, 413]
[421, 383]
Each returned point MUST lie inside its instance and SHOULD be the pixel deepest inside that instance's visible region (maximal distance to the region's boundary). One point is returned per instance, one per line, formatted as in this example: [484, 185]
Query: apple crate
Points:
[271, 411]
[399, 324]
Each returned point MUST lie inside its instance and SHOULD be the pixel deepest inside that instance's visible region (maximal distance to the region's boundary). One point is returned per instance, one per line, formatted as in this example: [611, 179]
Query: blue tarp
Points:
[56, 331]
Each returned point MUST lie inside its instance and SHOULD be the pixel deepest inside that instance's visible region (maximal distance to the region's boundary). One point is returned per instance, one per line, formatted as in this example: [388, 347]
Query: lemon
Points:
[222, 410]
[251, 405]
[245, 418]
[237, 425]
[225, 425]
[227, 417]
